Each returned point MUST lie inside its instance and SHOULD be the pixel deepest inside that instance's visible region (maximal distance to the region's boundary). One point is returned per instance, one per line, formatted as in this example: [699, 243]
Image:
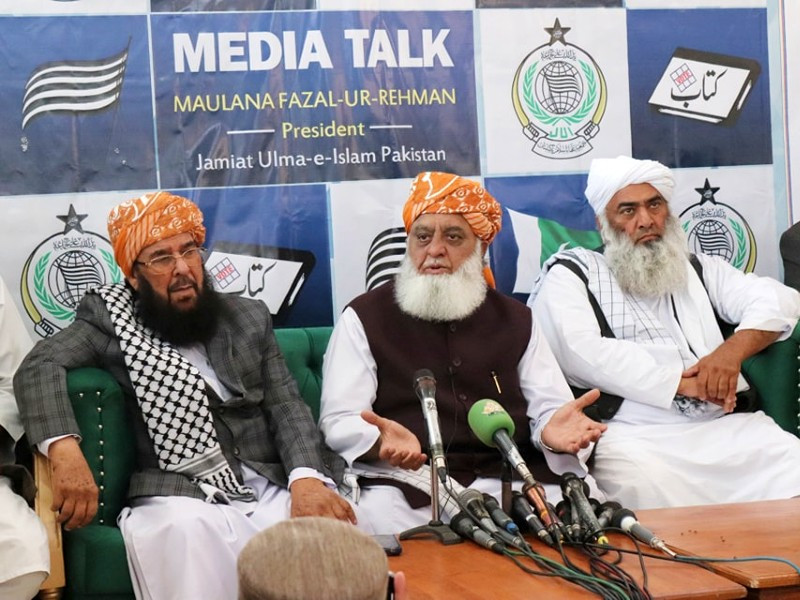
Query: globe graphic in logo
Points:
[559, 88]
[71, 274]
[712, 237]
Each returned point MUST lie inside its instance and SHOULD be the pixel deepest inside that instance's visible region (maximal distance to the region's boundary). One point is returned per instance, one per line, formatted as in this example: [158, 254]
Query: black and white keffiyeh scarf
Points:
[628, 318]
[172, 397]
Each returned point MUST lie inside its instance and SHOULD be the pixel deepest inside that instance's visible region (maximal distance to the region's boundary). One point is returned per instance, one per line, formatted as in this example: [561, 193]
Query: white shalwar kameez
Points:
[24, 551]
[161, 532]
[349, 386]
[652, 455]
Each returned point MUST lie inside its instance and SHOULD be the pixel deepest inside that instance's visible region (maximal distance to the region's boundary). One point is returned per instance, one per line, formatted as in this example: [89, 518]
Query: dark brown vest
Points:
[465, 356]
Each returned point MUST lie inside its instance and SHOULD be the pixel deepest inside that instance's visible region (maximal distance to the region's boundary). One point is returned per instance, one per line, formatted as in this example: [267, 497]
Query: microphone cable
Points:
[548, 567]
[602, 566]
[694, 560]
[605, 569]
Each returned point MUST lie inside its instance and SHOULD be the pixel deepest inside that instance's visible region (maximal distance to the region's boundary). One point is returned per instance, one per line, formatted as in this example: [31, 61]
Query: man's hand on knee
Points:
[74, 490]
[312, 498]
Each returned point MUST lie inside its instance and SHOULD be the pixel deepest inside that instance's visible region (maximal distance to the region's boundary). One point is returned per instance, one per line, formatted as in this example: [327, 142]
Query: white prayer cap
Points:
[607, 176]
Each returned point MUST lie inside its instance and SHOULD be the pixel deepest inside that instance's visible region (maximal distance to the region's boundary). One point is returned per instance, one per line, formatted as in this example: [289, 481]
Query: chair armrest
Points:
[775, 372]
[51, 587]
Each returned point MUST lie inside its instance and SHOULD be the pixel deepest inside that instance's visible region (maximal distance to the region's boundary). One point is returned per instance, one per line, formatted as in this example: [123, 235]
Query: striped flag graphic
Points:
[74, 86]
[384, 256]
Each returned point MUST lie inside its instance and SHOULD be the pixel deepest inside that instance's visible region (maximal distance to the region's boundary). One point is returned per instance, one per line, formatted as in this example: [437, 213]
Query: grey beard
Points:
[651, 269]
[447, 297]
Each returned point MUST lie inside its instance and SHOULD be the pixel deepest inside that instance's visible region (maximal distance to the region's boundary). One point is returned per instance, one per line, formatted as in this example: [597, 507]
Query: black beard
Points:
[180, 327]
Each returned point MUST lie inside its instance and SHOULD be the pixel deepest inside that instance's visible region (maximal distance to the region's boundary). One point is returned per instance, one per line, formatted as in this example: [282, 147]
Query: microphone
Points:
[494, 427]
[425, 388]
[508, 529]
[566, 512]
[499, 516]
[605, 512]
[522, 512]
[576, 489]
[473, 500]
[595, 505]
[626, 520]
[463, 525]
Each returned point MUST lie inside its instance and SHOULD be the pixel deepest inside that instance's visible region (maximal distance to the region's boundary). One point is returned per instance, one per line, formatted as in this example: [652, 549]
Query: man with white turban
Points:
[653, 340]
[225, 445]
[441, 313]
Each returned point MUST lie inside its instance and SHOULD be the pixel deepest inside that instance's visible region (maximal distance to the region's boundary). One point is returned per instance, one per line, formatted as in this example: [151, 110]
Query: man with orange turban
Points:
[225, 444]
[441, 313]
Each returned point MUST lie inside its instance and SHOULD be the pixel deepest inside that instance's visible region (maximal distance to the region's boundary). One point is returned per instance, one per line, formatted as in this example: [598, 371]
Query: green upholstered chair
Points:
[774, 373]
[95, 564]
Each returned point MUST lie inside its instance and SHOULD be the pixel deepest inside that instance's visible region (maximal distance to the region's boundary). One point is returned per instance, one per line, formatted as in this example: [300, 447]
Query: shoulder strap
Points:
[698, 267]
[725, 327]
[607, 405]
[605, 328]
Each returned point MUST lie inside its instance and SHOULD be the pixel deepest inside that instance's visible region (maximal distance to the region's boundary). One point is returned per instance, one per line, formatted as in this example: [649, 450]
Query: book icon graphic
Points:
[705, 86]
[271, 274]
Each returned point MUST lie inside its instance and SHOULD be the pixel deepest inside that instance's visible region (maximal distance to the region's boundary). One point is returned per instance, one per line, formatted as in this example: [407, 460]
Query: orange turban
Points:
[444, 193]
[141, 222]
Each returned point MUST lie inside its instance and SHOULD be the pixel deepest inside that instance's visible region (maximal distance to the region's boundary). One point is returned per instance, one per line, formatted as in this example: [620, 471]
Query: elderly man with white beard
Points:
[442, 313]
[674, 440]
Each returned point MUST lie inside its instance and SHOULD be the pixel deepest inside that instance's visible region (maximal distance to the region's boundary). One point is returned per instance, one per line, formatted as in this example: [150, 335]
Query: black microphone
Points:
[626, 520]
[463, 525]
[473, 501]
[509, 532]
[522, 511]
[605, 512]
[499, 516]
[576, 490]
[595, 505]
[425, 388]
[572, 526]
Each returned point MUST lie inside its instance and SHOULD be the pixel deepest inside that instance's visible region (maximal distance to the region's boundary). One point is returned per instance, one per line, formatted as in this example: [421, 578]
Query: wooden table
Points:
[769, 528]
[467, 572]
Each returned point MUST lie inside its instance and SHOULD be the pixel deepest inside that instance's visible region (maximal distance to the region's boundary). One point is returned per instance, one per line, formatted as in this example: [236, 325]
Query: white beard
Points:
[446, 297]
[650, 269]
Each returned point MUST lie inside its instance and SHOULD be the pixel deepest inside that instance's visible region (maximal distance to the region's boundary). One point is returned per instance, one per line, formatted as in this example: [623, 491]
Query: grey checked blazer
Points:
[266, 425]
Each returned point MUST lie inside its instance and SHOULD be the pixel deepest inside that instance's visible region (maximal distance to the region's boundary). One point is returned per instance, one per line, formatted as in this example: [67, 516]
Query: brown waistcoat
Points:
[466, 357]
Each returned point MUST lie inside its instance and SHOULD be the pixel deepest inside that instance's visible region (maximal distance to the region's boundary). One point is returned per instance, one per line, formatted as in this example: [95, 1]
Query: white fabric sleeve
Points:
[305, 473]
[15, 343]
[349, 386]
[751, 301]
[44, 445]
[546, 390]
[648, 374]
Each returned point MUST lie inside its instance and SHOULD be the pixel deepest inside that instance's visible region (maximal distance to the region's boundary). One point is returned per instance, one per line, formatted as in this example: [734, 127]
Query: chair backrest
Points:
[303, 349]
[107, 435]
[775, 373]
[790, 253]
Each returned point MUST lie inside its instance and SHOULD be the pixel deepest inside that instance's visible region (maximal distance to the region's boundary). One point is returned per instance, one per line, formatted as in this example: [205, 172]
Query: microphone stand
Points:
[505, 487]
[435, 526]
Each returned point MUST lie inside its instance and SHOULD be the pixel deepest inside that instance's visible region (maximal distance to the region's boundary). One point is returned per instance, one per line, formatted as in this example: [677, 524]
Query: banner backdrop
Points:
[297, 127]
[313, 96]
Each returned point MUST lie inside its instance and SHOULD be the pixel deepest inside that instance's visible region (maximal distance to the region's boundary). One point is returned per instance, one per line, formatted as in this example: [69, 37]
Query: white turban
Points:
[607, 176]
